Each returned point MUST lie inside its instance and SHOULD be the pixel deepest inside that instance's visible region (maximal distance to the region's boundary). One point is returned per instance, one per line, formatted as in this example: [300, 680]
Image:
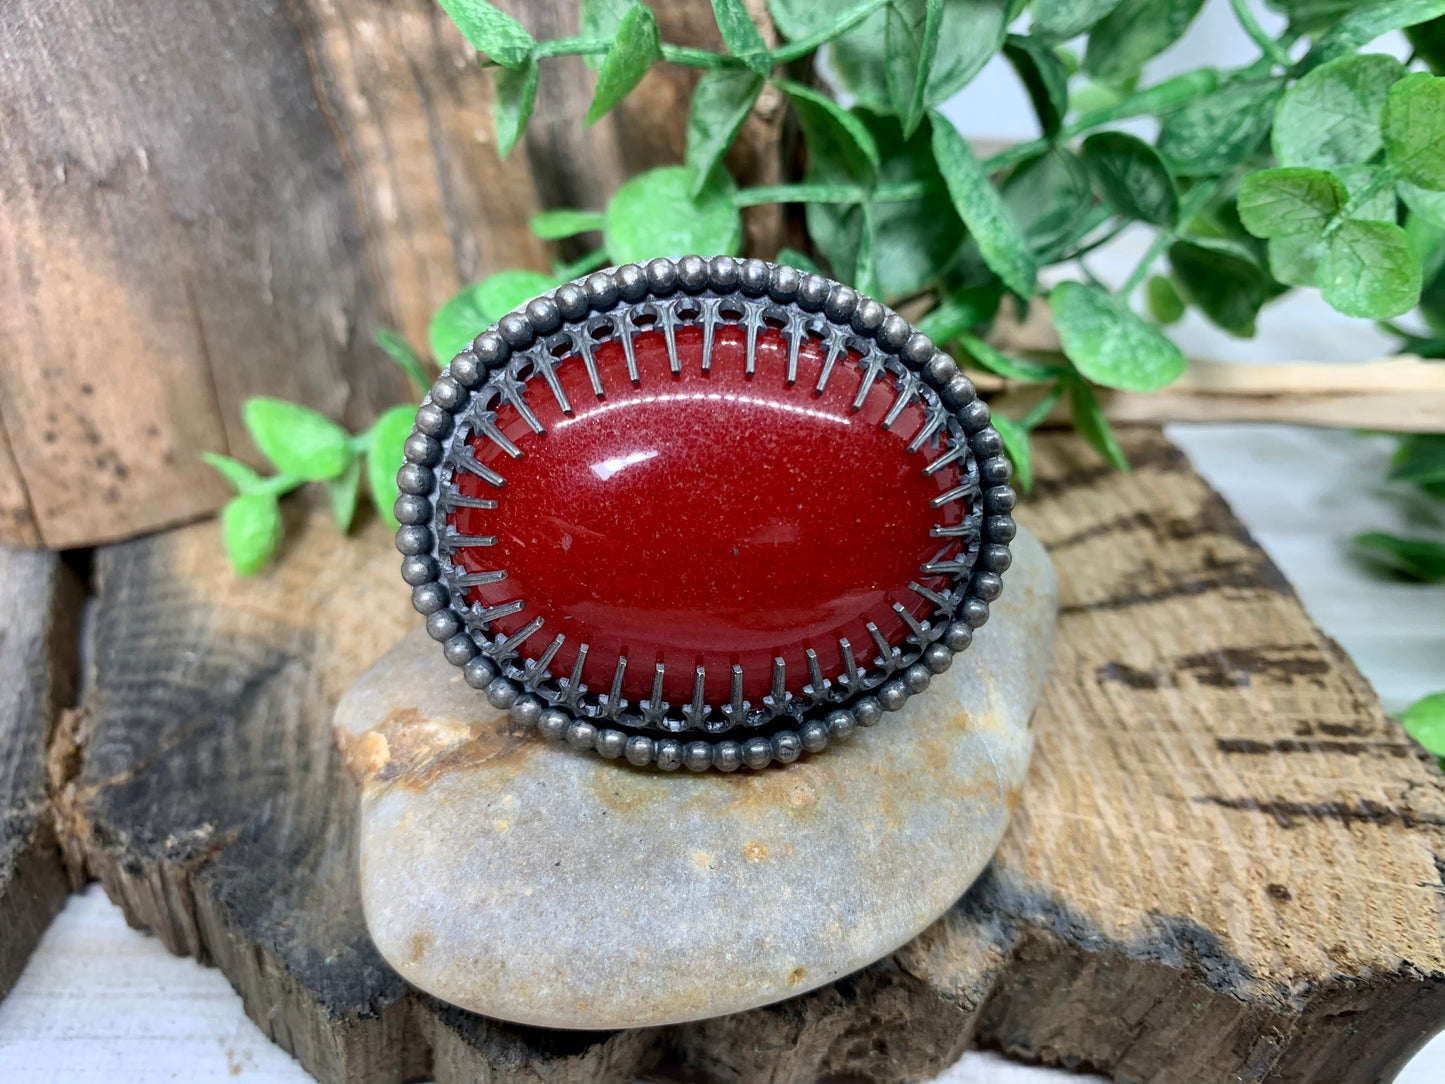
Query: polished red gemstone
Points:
[708, 517]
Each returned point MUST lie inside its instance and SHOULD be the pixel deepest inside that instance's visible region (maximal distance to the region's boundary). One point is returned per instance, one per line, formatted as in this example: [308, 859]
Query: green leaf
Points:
[341, 493]
[978, 203]
[840, 147]
[251, 530]
[1089, 420]
[241, 477]
[491, 31]
[297, 439]
[1427, 240]
[1291, 200]
[914, 241]
[599, 20]
[516, 91]
[1227, 288]
[1161, 98]
[1164, 301]
[1209, 134]
[1016, 446]
[653, 215]
[1368, 269]
[634, 50]
[1420, 460]
[791, 257]
[1133, 33]
[1051, 200]
[740, 35]
[1367, 23]
[1331, 117]
[722, 101]
[1382, 206]
[1428, 40]
[865, 270]
[554, 225]
[384, 458]
[1029, 372]
[1421, 559]
[1413, 128]
[1060, 20]
[911, 43]
[1295, 260]
[479, 306]
[960, 311]
[1109, 344]
[1043, 76]
[1427, 204]
[401, 352]
[1424, 721]
[1134, 179]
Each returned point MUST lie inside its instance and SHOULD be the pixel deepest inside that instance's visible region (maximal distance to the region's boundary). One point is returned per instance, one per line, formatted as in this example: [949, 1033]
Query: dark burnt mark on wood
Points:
[1276, 891]
[1225, 668]
[1288, 814]
[1147, 451]
[1255, 747]
[1255, 572]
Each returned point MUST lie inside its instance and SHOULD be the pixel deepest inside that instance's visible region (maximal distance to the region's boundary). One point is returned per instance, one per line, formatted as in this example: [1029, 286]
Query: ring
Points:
[703, 513]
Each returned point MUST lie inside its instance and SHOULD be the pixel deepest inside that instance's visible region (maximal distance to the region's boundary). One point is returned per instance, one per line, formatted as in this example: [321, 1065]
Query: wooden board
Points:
[202, 202]
[39, 602]
[1226, 865]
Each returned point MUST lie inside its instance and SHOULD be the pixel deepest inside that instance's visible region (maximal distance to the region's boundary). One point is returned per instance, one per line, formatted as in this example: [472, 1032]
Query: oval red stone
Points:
[708, 517]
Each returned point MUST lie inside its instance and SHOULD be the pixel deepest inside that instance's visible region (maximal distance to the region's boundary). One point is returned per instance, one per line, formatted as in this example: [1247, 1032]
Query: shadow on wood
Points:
[1226, 865]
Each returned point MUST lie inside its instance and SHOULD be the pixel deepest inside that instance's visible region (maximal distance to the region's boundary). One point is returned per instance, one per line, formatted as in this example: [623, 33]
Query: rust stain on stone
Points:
[419, 943]
[408, 749]
[797, 975]
[755, 851]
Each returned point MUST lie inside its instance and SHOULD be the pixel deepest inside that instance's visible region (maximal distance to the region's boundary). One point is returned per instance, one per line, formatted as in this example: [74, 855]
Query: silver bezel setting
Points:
[521, 352]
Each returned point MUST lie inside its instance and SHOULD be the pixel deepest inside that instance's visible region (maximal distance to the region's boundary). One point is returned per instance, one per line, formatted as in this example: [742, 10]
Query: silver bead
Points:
[814, 735]
[813, 292]
[939, 369]
[669, 754]
[411, 509]
[428, 598]
[516, 330]
[999, 499]
[783, 283]
[466, 370]
[894, 332]
[841, 725]
[543, 315]
[727, 756]
[411, 541]
[754, 278]
[842, 301]
[662, 276]
[443, 625]
[757, 752]
[974, 611]
[581, 734]
[433, 420]
[420, 448]
[692, 273]
[571, 301]
[958, 392]
[447, 393]
[958, 636]
[601, 287]
[937, 658]
[479, 673]
[787, 746]
[552, 724]
[994, 558]
[1000, 528]
[867, 711]
[917, 349]
[986, 585]
[995, 471]
[631, 282]
[501, 693]
[892, 694]
[418, 569]
[611, 743]
[974, 415]
[986, 443]
[639, 750]
[414, 478]
[491, 349]
[527, 710]
[723, 272]
[917, 677]
[868, 315]
[697, 756]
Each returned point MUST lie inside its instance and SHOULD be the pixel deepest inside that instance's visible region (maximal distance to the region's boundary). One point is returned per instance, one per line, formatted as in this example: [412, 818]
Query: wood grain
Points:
[38, 607]
[1226, 865]
[202, 202]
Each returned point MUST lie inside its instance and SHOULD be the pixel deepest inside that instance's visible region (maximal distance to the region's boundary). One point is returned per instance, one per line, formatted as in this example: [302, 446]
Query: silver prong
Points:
[885, 649]
[815, 672]
[504, 609]
[452, 499]
[837, 345]
[956, 451]
[589, 361]
[919, 633]
[453, 542]
[934, 419]
[955, 567]
[574, 688]
[503, 650]
[472, 465]
[872, 366]
[941, 601]
[907, 389]
[695, 709]
[548, 366]
[957, 493]
[614, 698]
[709, 328]
[668, 321]
[796, 331]
[655, 708]
[487, 425]
[476, 579]
[513, 392]
[961, 530]
[850, 664]
[629, 329]
[780, 676]
[752, 323]
[536, 670]
[736, 709]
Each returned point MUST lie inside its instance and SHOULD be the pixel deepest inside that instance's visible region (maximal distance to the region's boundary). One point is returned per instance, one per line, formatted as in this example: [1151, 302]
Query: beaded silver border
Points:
[522, 350]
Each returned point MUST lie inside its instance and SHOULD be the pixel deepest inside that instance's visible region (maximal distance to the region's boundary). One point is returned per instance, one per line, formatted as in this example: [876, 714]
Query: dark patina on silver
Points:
[520, 353]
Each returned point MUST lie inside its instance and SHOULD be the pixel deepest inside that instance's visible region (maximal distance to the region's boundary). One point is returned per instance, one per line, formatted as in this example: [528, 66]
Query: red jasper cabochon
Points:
[706, 515]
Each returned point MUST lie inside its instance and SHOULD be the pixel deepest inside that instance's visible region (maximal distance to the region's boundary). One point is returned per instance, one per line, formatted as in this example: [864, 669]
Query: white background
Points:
[101, 1002]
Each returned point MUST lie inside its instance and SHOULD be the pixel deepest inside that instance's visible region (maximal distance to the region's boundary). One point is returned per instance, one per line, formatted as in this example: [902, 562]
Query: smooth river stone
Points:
[523, 880]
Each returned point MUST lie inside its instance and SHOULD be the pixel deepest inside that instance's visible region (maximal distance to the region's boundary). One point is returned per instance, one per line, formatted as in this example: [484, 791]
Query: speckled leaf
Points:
[297, 439]
[599, 20]
[1368, 269]
[1051, 200]
[1295, 261]
[516, 92]
[1289, 200]
[722, 101]
[1134, 179]
[1108, 343]
[1226, 286]
[653, 215]
[251, 530]
[634, 50]
[491, 31]
[1413, 129]
[1043, 76]
[1331, 117]
[1133, 33]
[910, 46]
[1165, 304]
[1213, 132]
[1427, 204]
[1060, 20]
[740, 35]
[1367, 23]
[1089, 420]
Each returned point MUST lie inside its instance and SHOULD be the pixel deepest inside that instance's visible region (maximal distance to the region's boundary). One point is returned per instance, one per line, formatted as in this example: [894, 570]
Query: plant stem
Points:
[831, 193]
[1189, 206]
[795, 50]
[1251, 26]
[591, 262]
[1385, 178]
[697, 58]
[1034, 418]
[686, 55]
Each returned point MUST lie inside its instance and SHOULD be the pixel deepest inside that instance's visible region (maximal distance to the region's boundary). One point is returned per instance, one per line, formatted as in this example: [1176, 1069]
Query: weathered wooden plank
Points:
[1223, 867]
[39, 608]
[201, 202]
